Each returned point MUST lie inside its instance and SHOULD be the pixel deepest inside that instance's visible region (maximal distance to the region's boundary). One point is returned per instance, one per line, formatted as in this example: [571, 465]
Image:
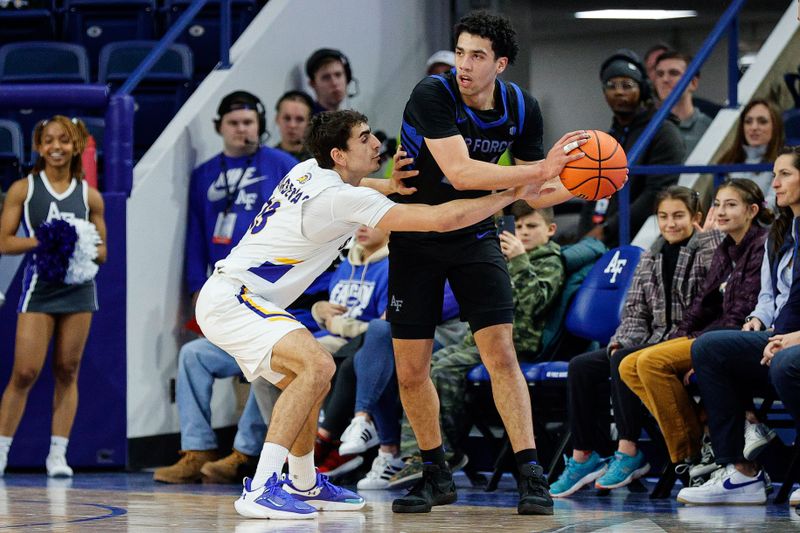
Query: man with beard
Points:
[627, 93]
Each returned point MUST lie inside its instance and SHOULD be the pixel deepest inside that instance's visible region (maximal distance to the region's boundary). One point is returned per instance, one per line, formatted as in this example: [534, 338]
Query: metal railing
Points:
[727, 24]
[174, 31]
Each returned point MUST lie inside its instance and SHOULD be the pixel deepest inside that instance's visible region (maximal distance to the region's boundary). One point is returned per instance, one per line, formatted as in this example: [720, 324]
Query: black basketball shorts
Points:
[471, 262]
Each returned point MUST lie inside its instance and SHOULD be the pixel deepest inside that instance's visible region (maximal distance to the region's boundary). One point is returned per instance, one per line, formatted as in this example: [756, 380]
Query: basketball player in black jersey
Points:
[455, 127]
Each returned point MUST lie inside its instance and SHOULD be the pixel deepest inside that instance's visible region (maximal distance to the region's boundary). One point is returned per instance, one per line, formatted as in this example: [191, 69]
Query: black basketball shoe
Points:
[435, 488]
[534, 493]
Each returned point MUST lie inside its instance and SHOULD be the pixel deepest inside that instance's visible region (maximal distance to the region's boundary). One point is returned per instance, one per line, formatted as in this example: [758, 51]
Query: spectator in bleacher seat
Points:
[366, 382]
[50, 304]
[329, 74]
[537, 276]
[727, 363]
[440, 62]
[658, 374]
[759, 138]
[669, 69]
[627, 93]
[651, 58]
[225, 193]
[782, 353]
[358, 290]
[292, 115]
[667, 279]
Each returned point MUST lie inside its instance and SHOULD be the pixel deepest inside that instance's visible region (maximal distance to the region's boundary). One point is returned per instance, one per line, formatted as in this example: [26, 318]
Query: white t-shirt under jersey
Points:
[298, 233]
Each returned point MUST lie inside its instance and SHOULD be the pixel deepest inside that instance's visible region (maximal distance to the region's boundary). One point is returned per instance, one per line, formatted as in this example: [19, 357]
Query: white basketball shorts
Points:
[243, 324]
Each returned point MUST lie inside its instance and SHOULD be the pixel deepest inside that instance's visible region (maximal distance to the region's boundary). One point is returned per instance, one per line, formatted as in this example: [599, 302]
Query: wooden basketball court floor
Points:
[132, 502]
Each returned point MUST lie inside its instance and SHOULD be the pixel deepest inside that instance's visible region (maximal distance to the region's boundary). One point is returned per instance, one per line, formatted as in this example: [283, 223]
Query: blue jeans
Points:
[376, 385]
[200, 362]
[784, 371]
[729, 373]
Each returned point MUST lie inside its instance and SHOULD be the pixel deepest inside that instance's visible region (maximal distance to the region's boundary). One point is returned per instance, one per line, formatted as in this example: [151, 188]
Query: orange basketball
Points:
[601, 172]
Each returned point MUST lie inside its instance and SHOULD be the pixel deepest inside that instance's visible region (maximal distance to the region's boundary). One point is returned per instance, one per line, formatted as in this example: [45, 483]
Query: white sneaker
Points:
[756, 438]
[57, 466]
[3, 463]
[384, 466]
[360, 436]
[727, 486]
[794, 499]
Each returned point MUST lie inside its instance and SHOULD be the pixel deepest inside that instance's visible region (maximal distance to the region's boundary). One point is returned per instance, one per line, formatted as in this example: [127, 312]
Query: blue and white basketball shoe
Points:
[325, 496]
[271, 501]
[727, 486]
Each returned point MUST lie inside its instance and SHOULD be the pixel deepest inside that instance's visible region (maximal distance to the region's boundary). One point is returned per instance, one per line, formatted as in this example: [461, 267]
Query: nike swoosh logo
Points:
[217, 192]
[483, 234]
[731, 486]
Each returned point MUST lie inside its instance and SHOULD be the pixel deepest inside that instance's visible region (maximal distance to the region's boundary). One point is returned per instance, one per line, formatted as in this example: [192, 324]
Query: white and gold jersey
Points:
[298, 233]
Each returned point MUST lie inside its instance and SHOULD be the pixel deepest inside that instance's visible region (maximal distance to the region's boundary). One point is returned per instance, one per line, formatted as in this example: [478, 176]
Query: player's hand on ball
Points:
[510, 245]
[560, 154]
[398, 175]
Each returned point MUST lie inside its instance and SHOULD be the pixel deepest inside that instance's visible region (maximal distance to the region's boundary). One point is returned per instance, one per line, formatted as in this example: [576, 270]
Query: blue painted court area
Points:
[133, 502]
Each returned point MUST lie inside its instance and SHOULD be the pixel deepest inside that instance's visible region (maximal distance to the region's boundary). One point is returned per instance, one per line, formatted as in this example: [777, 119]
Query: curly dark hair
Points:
[496, 28]
[330, 130]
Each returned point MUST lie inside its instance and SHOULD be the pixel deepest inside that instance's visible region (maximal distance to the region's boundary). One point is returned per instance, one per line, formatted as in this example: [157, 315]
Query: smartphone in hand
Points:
[506, 223]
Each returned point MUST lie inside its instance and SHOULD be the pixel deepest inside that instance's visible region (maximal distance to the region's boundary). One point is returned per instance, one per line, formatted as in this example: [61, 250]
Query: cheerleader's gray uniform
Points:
[41, 205]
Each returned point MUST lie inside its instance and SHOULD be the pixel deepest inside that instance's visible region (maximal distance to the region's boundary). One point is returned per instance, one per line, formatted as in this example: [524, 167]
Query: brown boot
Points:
[230, 469]
[187, 469]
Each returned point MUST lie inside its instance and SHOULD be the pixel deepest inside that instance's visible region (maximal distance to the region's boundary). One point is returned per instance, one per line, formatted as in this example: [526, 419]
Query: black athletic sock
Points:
[529, 456]
[434, 456]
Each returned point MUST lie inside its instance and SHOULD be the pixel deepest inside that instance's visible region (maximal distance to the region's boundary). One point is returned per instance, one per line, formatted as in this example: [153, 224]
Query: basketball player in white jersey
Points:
[311, 215]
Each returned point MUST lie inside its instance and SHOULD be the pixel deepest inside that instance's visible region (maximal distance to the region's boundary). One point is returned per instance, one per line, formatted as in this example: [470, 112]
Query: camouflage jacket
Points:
[536, 278]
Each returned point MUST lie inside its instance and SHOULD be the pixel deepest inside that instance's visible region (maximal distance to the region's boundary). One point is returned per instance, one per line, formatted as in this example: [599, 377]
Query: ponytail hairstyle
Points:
[785, 214]
[689, 197]
[750, 194]
[77, 135]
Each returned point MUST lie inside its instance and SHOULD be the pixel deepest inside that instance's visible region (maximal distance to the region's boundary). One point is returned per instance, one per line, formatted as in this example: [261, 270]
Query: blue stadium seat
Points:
[596, 309]
[43, 62]
[161, 92]
[11, 153]
[594, 314]
[34, 21]
[40, 62]
[791, 126]
[95, 23]
[203, 33]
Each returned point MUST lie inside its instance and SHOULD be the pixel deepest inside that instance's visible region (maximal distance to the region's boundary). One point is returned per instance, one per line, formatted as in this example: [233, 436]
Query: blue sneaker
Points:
[576, 475]
[271, 501]
[622, 470]
[325, 496]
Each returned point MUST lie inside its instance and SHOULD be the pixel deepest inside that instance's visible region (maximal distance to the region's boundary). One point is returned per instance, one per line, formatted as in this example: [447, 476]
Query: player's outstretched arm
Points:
[448, 216]
[464, 173]
[394, 185]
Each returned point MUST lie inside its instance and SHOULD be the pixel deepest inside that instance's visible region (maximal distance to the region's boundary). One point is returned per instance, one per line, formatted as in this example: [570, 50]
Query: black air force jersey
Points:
[435, 110]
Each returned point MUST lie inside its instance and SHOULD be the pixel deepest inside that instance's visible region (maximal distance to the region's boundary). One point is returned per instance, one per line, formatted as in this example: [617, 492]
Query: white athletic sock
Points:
[302, 472]
[271, 462]
[5, 446]
[58, 445]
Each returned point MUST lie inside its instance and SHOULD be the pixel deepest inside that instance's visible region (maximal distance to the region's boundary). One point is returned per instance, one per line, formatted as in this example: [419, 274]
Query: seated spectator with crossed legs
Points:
[727, 363]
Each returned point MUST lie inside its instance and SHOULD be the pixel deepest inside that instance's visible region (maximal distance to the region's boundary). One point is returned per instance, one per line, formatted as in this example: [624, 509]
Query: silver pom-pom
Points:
[82, 267]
